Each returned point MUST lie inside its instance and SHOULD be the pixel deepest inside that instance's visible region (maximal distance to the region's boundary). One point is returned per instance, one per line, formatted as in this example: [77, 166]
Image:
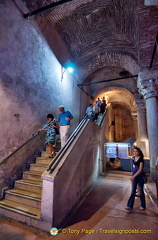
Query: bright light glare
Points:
[70, 69]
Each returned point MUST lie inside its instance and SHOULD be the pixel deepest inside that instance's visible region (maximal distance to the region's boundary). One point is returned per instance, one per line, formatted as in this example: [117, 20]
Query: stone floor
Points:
[101, 215]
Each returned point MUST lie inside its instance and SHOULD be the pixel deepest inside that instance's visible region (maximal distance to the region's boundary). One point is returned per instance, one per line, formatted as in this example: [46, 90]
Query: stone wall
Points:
[124, 125]
[30, 80]
[110, 128]
[12, 167]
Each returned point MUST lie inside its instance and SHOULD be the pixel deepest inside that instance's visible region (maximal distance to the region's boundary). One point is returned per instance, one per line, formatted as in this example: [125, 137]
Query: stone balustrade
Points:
[71, 179]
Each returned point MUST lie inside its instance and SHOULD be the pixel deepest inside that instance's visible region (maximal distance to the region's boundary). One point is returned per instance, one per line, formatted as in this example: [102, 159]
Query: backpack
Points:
[56, 129]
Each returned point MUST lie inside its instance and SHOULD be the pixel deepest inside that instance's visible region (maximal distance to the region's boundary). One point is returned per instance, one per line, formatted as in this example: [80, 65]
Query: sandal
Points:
[54, 154]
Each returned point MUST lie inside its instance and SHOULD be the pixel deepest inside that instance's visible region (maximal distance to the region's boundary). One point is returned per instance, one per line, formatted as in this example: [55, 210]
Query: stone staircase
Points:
[23, 202]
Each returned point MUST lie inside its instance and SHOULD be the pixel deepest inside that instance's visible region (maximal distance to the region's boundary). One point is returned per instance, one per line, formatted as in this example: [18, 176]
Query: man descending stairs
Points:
[23, 202]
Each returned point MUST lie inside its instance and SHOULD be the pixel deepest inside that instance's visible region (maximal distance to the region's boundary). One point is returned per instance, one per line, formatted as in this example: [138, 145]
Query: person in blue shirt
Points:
[90, 112]
[64, 120]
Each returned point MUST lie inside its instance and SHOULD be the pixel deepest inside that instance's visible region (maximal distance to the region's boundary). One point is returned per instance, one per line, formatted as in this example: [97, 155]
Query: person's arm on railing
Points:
[42, 130]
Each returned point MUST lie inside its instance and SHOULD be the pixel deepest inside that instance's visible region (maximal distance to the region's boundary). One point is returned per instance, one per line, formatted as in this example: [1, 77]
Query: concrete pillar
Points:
[47, 197]
[148, 85]
[151, 2]
[135, 123]
[142, 125]
[134, 117]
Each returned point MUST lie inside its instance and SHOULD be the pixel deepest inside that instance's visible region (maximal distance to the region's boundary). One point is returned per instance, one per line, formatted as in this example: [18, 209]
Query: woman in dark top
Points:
[137, 178]
[102, 107]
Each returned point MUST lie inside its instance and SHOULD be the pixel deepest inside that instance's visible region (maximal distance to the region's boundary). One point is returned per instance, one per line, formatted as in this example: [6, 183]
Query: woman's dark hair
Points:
[140, 151]
[50, 116]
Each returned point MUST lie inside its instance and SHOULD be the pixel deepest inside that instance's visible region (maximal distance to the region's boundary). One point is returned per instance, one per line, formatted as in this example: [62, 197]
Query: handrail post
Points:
[47, 197]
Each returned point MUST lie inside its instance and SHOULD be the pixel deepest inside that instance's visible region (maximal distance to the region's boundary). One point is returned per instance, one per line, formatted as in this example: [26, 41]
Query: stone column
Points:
[151, 2]
[142, 125]
[135, 125]
[148, 84]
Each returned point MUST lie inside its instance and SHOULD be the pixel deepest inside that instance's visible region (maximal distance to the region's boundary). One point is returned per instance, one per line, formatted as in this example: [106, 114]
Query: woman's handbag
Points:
[145, 178]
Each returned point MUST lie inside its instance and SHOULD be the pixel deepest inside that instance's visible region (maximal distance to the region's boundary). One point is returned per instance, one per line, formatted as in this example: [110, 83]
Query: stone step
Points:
[43, 161]
[38, 167]
[27, 191]
[27, 198]
[21, 208]
[45, 154]
[32, 175]
[24, 214]
[42, 158]
[29, 185]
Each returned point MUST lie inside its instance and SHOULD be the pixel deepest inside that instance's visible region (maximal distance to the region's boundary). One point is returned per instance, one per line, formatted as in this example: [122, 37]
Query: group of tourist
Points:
[62, 125]
[93, 111]
[55, 127]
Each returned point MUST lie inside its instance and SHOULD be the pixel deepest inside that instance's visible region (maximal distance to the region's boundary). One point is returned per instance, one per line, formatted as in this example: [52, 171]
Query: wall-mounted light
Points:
[69, 66]
[70, 69]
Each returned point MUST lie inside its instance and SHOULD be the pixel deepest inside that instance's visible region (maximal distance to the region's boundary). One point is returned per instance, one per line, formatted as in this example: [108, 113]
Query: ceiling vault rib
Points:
[108, 80]
[50, 6]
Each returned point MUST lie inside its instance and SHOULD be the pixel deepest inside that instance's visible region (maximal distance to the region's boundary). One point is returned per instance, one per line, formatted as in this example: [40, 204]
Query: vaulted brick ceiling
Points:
[103, 36]
[96, 28]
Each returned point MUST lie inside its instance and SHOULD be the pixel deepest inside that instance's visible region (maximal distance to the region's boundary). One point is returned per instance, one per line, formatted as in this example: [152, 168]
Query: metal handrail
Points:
[59, 156]
[5, 159]
[104, 114]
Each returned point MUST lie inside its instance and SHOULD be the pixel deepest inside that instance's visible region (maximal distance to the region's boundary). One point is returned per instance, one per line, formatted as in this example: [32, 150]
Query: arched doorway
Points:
[120, 123]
